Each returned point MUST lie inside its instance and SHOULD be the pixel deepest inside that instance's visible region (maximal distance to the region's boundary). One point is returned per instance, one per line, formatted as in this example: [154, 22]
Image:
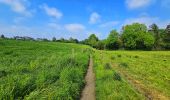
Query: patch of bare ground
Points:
[88, 92]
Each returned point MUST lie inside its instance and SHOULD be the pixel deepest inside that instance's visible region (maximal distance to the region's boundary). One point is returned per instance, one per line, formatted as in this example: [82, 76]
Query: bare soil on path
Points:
[88, 92]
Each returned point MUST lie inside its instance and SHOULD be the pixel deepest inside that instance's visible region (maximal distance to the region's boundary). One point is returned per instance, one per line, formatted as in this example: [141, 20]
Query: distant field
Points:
[132, 75]
[41, 70]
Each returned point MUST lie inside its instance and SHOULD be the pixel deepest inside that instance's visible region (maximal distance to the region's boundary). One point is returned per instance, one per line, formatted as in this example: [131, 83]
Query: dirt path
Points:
[89, 90]
[150, 94]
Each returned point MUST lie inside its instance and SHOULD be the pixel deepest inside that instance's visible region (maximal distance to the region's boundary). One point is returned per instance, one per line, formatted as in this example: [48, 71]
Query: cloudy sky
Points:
[78, 18]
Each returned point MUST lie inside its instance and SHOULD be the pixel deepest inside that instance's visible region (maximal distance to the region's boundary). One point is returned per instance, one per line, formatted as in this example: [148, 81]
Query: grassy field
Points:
[132, 74]
[41, 70]
[49, 70]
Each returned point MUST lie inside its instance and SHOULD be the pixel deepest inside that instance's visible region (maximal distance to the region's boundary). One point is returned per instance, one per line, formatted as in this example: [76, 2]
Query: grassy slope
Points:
[150, 68]
[36, 70]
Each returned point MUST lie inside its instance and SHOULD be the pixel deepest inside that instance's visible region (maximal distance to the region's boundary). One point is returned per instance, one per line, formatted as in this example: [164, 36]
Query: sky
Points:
[78, 18]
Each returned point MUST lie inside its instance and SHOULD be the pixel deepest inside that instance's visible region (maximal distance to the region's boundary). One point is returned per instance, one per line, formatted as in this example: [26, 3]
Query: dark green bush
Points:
[113, 57]
[123, 64]
[136, 56]
[119, 55]
[3, 73]
[107, 66]
[117, 76]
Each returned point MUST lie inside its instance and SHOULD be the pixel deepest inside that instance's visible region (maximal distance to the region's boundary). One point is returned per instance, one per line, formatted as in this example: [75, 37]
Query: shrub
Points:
[117, 76]
[3, 73]
[119, 55]
[123, 64]
[113, 57]
[107, 66]
[136, 56]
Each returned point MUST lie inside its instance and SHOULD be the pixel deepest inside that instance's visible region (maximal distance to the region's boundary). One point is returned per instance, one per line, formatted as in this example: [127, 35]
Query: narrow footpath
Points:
[88, 92]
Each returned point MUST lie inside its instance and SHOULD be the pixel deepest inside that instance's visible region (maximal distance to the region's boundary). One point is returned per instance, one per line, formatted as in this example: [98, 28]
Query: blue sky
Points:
[78, 18]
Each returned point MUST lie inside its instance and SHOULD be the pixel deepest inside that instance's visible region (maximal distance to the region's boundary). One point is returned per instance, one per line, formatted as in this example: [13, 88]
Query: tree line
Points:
[133, 37]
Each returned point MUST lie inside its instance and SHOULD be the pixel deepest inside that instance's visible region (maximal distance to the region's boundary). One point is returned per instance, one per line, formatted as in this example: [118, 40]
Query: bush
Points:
[123, 64]
[100, 45]
[107, 66]
[113, 57]
[119, 55]
[3, 73]
[136, 56]
[117, 76]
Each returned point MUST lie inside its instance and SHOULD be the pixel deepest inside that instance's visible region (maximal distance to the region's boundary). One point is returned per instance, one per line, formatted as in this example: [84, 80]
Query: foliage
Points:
[100, 45]
[53, 39]
[156, 33]
[135, 36]
[2, 36]
[92, 40]
[113, 42]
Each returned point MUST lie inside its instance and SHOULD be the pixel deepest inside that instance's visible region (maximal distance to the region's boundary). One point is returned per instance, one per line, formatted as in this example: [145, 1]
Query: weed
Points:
[123, 64]
[119, 55]
[117, 76]
[107, 66]
[3, 73]
[136, 56]
[113, 57]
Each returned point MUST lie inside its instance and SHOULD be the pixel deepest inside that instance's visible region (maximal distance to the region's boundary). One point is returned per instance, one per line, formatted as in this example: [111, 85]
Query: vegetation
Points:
[133, 37]
[146, 71]
[41, 70]
[55, 69]
[109, 83]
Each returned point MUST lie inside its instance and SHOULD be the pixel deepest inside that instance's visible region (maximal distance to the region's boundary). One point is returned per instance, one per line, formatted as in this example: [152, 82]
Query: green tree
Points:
[167, 37]
[100, 45]
[72, 40]
[136, 36]
[2, 36]
[53, 39]
[156, 33]
[167, 34]
[113, 42]
[92, 40]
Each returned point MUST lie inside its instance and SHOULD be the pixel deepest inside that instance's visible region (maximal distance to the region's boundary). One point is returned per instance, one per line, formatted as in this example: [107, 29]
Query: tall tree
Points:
[156, 33]
[167, 37]
[92, 40]
[167, 34]
[2, 36]
[135, 36]
[53, 39]
[113, 42]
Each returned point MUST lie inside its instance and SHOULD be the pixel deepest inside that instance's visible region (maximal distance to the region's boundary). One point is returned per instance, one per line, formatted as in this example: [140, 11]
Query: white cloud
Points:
[94, 18]
[133, 4]
[147, 21]
[74, 28]
[51, 11]
[109, 24]
[18, 6]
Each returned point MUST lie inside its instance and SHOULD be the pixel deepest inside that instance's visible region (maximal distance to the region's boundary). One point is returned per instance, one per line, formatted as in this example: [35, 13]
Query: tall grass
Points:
[41, 70]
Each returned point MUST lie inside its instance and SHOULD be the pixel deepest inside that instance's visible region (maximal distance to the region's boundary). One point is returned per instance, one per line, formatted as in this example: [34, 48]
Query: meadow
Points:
[41, 70]
[132, 75]
[32, 70]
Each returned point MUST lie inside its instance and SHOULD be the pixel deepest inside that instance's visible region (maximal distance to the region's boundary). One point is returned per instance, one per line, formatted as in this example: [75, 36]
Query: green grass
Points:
[49, 70]
[109, 84]
[150, 68]
[41, 70]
